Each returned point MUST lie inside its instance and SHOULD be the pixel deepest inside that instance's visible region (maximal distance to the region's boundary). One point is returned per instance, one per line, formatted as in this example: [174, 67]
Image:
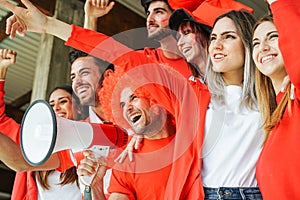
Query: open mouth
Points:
[134, 118]
[186, 50]
[266, 59]
[219, 56]
[60, 114]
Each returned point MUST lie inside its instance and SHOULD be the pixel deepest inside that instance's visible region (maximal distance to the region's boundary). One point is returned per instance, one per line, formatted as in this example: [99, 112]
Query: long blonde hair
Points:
[243, 21]
[271, 112]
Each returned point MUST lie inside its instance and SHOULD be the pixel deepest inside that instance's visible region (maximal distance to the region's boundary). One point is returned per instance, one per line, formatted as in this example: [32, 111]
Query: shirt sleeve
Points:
[66, 161]
[121, 182]
[8, 126]
[96, 44]
[289, 36]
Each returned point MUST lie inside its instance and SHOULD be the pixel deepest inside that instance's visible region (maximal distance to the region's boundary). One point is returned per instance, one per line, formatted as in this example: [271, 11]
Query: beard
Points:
[158, 118]
[160, 34]
[92, 100]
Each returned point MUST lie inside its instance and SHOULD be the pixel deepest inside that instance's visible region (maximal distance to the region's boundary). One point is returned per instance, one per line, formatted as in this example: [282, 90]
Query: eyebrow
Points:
[130, 97]
[268, 34]
[156, 9]
[226, 32]
[59, 99]
[160, 8]
[82, 69]
[85, 68]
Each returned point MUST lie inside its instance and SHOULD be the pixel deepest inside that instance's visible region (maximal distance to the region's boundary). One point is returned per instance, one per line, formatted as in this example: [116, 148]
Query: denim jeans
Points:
[232, 193]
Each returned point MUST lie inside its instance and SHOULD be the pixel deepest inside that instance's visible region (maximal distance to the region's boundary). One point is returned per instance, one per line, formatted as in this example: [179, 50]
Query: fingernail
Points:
[282, 89]
[292, 96]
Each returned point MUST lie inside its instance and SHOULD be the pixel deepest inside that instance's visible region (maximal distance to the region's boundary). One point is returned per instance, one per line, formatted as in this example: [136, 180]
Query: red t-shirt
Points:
[137, 182]
[187, 102]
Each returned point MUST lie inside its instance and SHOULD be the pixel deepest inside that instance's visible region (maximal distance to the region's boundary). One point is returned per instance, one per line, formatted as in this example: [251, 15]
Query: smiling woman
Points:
[275, 44]
[66, 104]
[230, 79]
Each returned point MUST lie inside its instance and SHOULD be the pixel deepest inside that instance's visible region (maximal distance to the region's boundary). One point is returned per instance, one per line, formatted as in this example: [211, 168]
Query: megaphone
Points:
[44, 133]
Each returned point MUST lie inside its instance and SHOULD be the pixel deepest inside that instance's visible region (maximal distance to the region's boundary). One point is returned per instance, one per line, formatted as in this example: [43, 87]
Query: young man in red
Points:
[104, 47]
[139, 110]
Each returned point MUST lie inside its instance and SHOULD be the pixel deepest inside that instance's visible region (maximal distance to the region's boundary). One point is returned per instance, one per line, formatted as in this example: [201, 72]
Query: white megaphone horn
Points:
[44, 133]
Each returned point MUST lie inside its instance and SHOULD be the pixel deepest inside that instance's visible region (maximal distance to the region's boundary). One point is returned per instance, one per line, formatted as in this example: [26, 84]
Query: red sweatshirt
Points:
[278, 168]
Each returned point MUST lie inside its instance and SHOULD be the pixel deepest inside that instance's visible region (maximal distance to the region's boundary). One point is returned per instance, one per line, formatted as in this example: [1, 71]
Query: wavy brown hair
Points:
[67, 177]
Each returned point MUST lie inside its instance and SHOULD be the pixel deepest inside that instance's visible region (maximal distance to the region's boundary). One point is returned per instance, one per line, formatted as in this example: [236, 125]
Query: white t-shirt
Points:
[57, 191]
[232, 143]
[106, 179]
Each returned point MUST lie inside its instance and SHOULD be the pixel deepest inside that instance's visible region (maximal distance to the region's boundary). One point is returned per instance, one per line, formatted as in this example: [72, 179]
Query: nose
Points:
[264, 46]
[150, 18]
[76, 80]
[56, 107]
[129, 107]
[217, 43]
[180, 40]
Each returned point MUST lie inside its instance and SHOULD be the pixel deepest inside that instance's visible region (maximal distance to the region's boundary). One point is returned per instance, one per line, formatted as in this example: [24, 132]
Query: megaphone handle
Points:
[87, 180]
[98, 151]
[87, 195]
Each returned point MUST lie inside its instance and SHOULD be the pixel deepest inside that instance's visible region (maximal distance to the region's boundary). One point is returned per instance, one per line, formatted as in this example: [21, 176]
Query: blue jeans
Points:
[232, 193]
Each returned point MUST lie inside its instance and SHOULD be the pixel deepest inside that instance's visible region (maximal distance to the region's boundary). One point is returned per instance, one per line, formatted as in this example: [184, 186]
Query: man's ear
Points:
[157, 109]
[107, 72]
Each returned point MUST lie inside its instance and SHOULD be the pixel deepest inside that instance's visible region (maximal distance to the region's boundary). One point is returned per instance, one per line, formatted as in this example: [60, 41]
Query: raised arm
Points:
[94, 9]
[10, 152]
[288, 35]
[7, 58]
[8, 126]
[31, 19]
[91, 42]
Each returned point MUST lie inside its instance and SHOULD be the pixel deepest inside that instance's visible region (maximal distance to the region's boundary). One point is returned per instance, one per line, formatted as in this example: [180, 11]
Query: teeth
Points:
[135, 117]
[266, 58]
[81, 90]
[218, 56]
[60, 115]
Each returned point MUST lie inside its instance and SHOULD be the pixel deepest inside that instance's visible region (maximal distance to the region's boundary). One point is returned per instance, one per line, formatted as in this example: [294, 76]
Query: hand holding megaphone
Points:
[98, 151]
[43, 133]
[93, 164]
